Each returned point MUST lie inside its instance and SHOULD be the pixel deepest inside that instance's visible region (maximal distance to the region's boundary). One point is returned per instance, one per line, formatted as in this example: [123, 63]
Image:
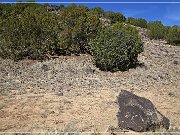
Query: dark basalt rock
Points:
[139, 114]
[45, 67]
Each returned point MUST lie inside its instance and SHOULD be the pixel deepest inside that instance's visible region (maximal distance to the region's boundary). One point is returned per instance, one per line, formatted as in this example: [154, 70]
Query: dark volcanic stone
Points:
[45, 67]
[139, 114]
[175, 62]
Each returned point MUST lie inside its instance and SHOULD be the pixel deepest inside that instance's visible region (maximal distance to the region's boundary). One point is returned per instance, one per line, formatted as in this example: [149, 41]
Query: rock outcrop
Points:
[139, 114]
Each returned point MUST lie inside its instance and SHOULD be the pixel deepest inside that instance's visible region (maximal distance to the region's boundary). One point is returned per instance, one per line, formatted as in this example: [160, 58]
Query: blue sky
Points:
[168, 13]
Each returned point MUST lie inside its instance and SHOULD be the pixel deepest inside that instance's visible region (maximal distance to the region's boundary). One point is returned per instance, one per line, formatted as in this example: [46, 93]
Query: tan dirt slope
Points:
[70, 94]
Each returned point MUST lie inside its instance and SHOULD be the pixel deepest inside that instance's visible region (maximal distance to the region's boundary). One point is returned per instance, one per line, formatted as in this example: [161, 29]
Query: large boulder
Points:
[139, 114]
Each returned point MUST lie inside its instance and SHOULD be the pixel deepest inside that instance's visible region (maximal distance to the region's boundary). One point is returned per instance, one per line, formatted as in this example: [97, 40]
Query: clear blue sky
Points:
[168, 13]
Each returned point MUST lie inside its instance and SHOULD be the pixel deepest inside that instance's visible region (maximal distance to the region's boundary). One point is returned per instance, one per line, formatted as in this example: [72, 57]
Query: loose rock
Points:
[139, 114]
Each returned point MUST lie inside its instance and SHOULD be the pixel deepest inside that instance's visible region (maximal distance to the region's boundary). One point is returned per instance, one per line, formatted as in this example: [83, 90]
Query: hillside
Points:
[70, 94]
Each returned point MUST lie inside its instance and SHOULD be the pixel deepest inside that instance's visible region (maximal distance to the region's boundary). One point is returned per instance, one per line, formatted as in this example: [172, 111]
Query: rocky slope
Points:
[70, 94]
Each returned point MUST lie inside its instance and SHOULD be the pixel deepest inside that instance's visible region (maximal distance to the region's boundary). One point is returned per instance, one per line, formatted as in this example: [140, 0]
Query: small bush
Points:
[115, 49]
[97, 11]
[156, 30]
[115, 17]
[173, 35]
[137, 22]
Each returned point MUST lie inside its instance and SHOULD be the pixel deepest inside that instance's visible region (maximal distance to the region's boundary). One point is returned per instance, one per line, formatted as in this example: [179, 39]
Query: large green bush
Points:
[78, 27]
[115, 49]
[29, 33]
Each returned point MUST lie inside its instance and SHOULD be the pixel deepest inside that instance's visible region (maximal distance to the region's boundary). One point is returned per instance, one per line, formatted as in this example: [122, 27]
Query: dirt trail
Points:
[70, 94]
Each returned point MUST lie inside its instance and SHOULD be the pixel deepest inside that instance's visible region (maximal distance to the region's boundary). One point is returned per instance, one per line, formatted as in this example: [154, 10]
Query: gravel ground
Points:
[70, 94]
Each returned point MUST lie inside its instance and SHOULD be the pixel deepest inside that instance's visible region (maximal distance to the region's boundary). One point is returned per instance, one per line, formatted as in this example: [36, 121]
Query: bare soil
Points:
[69, 94]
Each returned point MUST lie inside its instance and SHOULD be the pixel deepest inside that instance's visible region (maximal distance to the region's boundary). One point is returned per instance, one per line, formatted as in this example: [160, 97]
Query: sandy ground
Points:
[91, 113]
[87, 103]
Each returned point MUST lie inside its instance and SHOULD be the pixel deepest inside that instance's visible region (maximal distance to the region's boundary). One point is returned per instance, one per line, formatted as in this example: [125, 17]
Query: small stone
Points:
[60, 93]
[175, 62]
[45, 67]
[172, 94]
[89, 71]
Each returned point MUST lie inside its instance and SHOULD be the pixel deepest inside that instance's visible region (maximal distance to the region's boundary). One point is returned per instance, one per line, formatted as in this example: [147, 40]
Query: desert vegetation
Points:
[140, 22]
[54, 70]
[31, 30]
[158, 31]
[116, 48]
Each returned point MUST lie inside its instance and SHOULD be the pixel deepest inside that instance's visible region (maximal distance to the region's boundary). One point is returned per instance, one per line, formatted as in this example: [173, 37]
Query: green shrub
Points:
[137, 22]
[156, 30]
[99, 12]
[115, 17]
[28, 30]
[115, 49]
[173, 35]
[128, 28]
[78, 27]
[31, 33]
